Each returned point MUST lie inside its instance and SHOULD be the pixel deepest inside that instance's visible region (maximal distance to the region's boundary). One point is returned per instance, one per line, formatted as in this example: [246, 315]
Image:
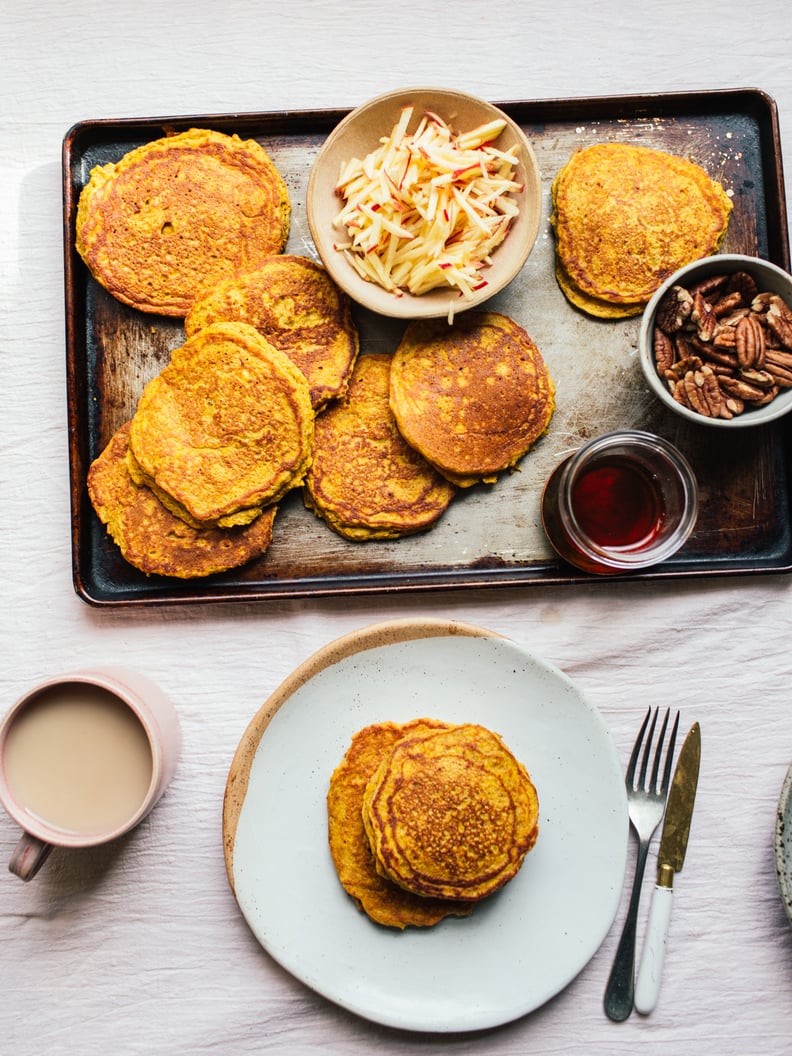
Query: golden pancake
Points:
[365, 481]
[294, 303]
[178, 214]
[151, 538]
[593, 305]
[626, 217]
[450, 813]
[226, 427]
[383, 901]
[230, 520]
[473, 397]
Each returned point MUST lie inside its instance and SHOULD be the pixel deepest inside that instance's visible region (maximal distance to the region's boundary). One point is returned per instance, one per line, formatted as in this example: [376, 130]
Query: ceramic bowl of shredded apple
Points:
[424, 202]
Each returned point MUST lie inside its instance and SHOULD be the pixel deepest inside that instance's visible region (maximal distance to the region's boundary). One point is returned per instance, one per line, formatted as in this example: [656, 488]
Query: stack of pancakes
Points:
[190, 485]
[427, 818]
[296, 306]
[625, 218]
[155, 540]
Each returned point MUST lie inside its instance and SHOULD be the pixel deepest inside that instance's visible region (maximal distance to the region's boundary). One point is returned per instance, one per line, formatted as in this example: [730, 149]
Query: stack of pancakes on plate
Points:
[626, 217]
[428, 818]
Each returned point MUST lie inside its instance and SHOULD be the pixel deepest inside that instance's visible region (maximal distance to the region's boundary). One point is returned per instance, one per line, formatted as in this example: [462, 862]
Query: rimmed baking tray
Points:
[491, 536]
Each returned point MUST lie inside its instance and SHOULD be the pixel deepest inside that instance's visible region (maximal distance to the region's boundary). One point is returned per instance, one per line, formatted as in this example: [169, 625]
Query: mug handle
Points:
[28, 856]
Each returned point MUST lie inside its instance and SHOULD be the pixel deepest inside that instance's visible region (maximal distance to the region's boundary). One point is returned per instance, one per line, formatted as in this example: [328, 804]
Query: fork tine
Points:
[670, 756]
[654, 787]
[647, 750]
[630, 775]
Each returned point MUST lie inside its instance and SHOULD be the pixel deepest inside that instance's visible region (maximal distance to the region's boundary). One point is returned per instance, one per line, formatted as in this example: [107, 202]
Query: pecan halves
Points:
[710, 286]
[750, 342]
[723, 346]
[743, 390]
[744, 283]
[704, 317]
[664, 351]
[729, 302]
[779, 320]
[674, 310]
[779, 365]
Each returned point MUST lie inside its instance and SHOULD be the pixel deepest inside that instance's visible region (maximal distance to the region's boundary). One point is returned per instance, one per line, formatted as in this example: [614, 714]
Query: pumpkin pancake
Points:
[293, 302]
[625, 218]
[151, 538]
[472, 397]
[226, 427]
[178, 214]
[450, 813]
[365, 481]
[593, 305]
[230, 520]
[383, 901]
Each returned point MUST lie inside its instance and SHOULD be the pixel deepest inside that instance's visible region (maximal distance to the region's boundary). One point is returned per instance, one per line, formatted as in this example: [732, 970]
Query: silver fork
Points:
[646, 801]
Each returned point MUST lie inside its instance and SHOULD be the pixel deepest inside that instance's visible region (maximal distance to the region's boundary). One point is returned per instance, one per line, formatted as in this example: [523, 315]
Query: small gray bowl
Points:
[769, 278]
[783, 844]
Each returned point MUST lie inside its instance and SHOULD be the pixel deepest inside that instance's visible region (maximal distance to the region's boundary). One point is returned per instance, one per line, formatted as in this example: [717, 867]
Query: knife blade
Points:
[670, 859]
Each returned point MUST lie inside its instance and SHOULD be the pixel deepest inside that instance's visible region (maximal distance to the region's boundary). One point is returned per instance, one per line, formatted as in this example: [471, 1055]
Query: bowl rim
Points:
[439, 302]
[758, 416]
[783, 855]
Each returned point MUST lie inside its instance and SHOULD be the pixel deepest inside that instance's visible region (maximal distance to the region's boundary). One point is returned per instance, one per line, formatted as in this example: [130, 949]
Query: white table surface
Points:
[140, 948]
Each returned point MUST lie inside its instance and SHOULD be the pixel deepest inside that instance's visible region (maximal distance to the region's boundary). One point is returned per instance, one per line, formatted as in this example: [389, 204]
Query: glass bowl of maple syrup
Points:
[624, 501]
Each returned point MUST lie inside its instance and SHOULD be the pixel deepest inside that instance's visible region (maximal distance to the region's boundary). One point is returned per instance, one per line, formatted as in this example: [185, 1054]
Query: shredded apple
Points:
[426, 209]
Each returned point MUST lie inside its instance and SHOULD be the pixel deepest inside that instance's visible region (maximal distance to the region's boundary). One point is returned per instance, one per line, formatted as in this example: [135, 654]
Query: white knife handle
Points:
[647, 986]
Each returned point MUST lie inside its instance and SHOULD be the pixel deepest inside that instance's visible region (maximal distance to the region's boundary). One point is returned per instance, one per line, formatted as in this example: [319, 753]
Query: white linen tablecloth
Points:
[140, 947]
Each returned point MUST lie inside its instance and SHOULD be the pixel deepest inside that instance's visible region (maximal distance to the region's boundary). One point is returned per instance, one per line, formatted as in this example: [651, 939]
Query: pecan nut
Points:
[744, 283]
[704, 317]
[750, 342]
[664, 351]
[779, 320]
[674, 310]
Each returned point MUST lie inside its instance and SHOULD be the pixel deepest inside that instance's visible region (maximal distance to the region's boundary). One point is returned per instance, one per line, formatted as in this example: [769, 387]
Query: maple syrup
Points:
[624, 501]
[617, 504]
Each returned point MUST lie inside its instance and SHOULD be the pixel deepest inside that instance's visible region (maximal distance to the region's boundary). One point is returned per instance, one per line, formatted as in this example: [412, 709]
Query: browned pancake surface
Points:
[625, 218]
[227, 426]
[384, 902]
[473, 397]
[151, 538]
[178, 214]
[296, 306]
[365, 480]
[450, 813]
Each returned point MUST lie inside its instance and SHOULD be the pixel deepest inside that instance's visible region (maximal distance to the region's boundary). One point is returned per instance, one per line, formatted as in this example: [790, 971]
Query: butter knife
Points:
[670, 859]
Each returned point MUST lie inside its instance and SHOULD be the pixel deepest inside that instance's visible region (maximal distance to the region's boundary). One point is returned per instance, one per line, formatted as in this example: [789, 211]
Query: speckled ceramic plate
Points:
[521, 946]
[783, 843]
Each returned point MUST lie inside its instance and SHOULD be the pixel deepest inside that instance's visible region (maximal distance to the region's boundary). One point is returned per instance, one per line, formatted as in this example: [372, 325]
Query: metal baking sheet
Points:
[491, 536]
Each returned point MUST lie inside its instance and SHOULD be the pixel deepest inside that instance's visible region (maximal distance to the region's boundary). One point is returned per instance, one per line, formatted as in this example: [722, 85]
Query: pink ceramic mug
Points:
[83, 758]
